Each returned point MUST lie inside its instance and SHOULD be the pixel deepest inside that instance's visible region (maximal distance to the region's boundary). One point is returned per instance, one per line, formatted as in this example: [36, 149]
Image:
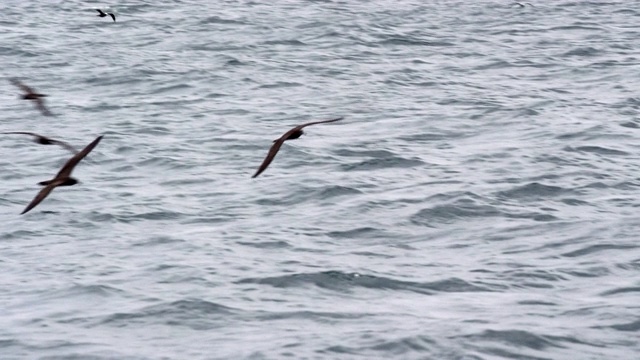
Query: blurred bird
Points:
[103, 14]
[63, 178]
[30, 94]
[294, 133]
[45, 140]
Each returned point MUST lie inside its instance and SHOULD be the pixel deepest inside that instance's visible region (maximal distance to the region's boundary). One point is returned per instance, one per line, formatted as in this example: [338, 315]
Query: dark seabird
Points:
[522, 4]
[63, 178]
[45, 140]
[294, 133]
[30, 94]
[103, 14]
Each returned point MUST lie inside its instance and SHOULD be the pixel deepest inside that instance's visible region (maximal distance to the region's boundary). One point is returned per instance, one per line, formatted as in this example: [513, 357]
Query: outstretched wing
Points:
[68, 167]
[272, 153]
[278, 143]
[113, 17]
[43, 109]
[22, 133]
[318, 122]
[64, 145]
[22, 86]
[41, 196]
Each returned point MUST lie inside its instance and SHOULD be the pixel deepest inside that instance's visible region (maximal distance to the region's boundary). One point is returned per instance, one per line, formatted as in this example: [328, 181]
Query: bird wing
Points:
[54, 141]
[100, 11]
[65, 145]
[22, 86]
[113, 17]
[41, 196]
[272, 153]
[43, 109]
[278, 143]
[71, 163]
[299, 127]
[22, 133]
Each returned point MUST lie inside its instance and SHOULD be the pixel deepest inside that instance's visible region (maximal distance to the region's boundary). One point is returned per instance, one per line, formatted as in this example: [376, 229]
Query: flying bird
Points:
[103, 14]
[30, 94]
[45, 140]
[294, 133]
[522, 4]
[63, 178]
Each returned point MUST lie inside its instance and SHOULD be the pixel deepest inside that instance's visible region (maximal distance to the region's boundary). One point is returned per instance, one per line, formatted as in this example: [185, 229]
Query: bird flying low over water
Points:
[103, 14]
[30, 94]
[294, 133]
[45, 140]
[63, 177]
[521, 4]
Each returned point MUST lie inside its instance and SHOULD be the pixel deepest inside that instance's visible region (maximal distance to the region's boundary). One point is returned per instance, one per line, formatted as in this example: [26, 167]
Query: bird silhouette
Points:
[63, 177]
[40, 139]
[294, 133]
[30, 94]
[103, 14]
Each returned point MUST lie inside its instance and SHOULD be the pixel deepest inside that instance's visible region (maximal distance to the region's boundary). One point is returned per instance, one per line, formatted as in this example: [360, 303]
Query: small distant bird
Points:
[522, 4]
[30, 94]
[294, 133]
[63, 178]
[45, 140]
[103, 14]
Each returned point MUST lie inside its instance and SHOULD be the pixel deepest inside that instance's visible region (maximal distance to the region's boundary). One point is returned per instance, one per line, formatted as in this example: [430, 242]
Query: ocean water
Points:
[478, 201]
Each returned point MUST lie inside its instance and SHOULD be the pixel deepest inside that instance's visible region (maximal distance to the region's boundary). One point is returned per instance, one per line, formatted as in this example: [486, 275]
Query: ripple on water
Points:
[192, 313]
[340, 281]
[322, 193]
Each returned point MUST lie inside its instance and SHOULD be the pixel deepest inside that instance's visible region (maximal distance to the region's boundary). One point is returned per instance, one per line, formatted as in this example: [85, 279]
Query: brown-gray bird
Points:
[294, 133]
[63, 177]
[45, 140]
[30, 94]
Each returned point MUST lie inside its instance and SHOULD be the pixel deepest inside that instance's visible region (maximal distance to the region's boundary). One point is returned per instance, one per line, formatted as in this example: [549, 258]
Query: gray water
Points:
[478, 201]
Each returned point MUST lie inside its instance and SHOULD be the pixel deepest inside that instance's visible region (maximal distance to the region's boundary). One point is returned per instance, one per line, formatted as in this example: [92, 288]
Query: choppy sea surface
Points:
[478, 201]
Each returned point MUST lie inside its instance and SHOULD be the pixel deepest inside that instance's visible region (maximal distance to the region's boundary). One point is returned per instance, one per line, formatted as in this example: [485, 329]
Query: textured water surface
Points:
[479, 200]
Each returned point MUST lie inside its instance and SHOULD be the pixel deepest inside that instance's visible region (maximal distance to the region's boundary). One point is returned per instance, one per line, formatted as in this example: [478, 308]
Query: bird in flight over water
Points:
[294, 133]
[30, 94]
[63, 177]
[103, 14]
[45, 140]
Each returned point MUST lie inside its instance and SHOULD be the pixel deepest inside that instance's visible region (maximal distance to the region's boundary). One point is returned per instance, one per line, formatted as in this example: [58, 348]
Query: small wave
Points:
[449, 214]
[322, 193]
[624, 290]
[386, 163]
[583, 51]
[280, 84]
[291, 42]
[414, 42]
[633, 326]
[363, 232]
[533, 191]
[596, 150]
[520, 338]
[390, 348]
[340, 281]
[219, 20]
[193, 313]
[361, 153]
[266, 244]
[592, 249]
[77, 290]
